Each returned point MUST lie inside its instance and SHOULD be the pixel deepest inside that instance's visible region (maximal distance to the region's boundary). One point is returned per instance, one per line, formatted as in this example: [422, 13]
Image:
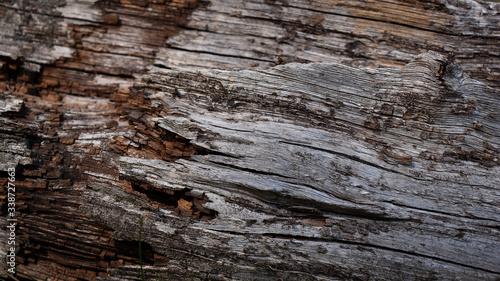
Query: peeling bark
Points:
[360, 161]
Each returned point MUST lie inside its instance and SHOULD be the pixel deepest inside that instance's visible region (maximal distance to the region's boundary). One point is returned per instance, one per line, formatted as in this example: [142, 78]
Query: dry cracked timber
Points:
[313, 171]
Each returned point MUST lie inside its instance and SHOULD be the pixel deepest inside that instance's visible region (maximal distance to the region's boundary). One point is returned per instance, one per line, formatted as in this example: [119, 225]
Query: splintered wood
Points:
[259, 140]
[279, 166]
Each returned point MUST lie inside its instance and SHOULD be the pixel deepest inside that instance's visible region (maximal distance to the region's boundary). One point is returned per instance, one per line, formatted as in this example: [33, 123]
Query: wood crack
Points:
[347, 242]
[445, 213]
[351, 157]
[217, 54]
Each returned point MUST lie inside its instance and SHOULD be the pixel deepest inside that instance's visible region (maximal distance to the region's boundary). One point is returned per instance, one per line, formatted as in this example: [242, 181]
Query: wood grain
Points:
[338, 198]
[268, 140]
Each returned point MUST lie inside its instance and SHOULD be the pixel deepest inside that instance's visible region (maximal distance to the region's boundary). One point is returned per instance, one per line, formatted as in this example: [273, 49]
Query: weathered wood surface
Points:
[92, 47]
[323, 171]
[298, 172]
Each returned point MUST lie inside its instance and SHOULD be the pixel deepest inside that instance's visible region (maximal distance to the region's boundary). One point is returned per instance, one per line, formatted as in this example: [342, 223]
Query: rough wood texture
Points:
[312, 171]
[92, 47]
[323, 171]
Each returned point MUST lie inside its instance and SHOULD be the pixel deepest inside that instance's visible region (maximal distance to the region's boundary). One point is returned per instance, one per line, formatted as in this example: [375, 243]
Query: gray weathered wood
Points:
[321, 172]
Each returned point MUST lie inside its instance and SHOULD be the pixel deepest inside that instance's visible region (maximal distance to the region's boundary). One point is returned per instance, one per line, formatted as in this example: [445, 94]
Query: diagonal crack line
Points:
[326, 208]
[250, 170]
[471, 217]
[218, 54]
[354, 158]
[354, 243]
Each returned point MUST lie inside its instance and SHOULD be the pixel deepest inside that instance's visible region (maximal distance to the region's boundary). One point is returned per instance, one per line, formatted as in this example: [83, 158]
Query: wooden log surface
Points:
[361, 161]
[89, 47]
[332, 164]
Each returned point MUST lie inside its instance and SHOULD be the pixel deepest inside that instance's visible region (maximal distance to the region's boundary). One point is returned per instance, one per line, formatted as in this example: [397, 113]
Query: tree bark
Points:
[267, 140]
